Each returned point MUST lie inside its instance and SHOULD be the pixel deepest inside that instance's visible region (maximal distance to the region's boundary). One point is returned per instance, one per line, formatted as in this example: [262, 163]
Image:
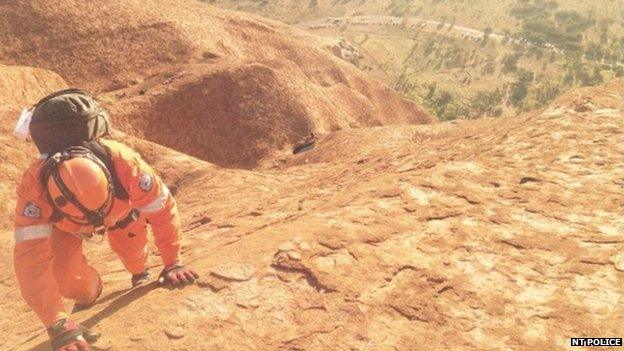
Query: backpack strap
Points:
[104, 154]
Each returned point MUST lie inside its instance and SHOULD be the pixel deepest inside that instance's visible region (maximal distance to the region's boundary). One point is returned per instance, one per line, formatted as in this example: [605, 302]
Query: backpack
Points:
[67, 118]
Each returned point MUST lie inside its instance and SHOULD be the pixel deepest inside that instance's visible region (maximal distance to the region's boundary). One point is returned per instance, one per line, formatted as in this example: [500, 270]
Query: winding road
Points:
[449, 29]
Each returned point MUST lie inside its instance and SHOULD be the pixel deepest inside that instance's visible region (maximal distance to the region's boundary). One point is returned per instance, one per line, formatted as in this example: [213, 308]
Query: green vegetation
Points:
[520, 89]
[485, 103]
[542, 25]
[529, 51]
[444, 104]
[487, 31]
[568, 30]
[510, 62]
[399, 7]
[546, 91]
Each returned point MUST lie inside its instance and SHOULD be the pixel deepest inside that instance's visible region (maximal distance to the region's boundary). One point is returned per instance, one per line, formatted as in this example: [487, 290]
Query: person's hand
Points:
[177, 275]
[66, 335]
[76, 345]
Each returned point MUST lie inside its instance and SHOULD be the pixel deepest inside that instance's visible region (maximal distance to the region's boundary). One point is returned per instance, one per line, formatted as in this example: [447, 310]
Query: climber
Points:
[86, 187]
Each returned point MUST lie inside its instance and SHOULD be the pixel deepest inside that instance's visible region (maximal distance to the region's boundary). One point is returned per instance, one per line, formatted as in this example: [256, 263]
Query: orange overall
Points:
[48, 257]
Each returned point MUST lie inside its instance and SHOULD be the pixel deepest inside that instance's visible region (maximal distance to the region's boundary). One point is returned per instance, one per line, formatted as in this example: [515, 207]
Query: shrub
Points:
[546, 92]
[510, 63]
[429, 48]
[520, 88]
[484, 102]
[489, 67]
[404, 84]
[594, 51]
[443, 104]
[525, 75]
[518, 92]
[487, 31]
[497, 112]
[573, 22]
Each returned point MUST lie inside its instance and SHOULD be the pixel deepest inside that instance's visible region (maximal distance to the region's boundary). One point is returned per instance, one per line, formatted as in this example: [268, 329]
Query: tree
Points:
[404, 84]
[552, 58]
[518, 92]
[520, 88]
[486, 35]
[596, 76]
[510, 62]
[452, 24]
[525, 75]
[429, 48]
[484, 102]
[546, 92]
[487, 32]
[594, 52]
[443, 104]
[536, 51]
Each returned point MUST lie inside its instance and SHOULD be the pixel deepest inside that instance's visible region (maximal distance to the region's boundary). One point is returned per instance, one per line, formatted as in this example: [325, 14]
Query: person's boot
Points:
[141, 278]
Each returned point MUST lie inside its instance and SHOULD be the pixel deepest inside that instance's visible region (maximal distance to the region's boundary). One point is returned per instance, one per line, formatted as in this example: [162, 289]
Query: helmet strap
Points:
[94, 217]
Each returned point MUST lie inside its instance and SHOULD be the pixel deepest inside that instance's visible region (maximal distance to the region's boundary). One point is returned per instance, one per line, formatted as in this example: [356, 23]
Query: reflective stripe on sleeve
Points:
[158, 203]
[31, 232]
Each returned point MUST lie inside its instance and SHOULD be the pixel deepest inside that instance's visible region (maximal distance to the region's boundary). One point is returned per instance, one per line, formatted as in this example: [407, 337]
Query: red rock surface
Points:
[20, 87]
[23, 86]
[225, 87]
[487, 234]
[468, 235]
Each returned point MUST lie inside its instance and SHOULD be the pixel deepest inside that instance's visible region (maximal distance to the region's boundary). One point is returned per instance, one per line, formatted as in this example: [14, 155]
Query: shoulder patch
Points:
[146, 183]
[32, 211]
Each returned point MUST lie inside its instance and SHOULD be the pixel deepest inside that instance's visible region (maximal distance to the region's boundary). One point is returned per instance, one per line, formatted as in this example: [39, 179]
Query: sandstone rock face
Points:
[235, 115]
[20, 87]
[486, 234]
[23, 86]
[224, 87]
[234, 272]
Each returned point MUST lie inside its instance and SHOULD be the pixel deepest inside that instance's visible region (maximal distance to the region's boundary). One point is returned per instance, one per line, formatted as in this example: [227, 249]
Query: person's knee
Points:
[74, 280]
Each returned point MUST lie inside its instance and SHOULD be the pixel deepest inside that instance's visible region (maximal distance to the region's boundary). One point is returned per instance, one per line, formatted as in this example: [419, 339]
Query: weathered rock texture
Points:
[489, 234]
[20, 87]
[225, 87]
[24, 86]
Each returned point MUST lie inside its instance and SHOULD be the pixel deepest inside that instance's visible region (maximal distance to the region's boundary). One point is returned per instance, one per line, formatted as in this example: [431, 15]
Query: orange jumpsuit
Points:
[48, 257]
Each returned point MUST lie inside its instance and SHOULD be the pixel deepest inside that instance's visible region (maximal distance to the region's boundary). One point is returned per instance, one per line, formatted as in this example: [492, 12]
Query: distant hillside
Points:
[546, 47]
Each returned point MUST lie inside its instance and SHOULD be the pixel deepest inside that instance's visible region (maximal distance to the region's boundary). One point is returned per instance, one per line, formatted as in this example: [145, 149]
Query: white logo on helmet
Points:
[145, 181]
[32, 211]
